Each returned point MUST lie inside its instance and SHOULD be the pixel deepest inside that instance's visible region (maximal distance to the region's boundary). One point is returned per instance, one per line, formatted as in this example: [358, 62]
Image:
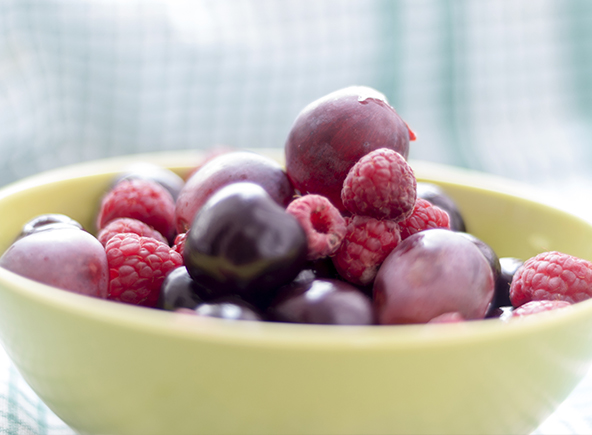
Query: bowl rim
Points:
[285, 335]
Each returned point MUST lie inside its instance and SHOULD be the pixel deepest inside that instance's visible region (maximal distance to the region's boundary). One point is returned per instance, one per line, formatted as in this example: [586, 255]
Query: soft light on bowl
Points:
[108, 368]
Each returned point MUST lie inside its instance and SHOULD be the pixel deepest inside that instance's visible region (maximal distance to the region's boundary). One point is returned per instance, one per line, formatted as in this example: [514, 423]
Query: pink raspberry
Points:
[179, 243]
[140, 199]
[322, 222]
[425, 215]
[137, 267]
[367, 243]
[534, 307]
[380, 185]
[128, 225]
[552, 276]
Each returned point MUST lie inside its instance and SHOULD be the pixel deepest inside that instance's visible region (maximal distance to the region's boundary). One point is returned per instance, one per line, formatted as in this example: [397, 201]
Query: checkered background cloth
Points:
[502, 86]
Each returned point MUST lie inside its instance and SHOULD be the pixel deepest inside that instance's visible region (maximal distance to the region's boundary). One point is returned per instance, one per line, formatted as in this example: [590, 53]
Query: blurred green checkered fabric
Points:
[503, 86]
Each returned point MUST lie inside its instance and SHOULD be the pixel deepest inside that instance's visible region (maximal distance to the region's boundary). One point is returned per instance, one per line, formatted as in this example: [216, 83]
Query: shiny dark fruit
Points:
[509, 266]
[487, 252]
[228, 168]
[242, 242]
[64, 257]
[229, 309]
[150, 171]
[430, 273]
[322, 301]
[324, 268]
[494, 263]
[438, 197]
[178, 290]
[332, 133]
[502, 313]
[48, 222]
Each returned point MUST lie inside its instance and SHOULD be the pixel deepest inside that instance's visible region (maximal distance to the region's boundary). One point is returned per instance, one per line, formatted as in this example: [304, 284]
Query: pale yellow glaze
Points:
[107, 368]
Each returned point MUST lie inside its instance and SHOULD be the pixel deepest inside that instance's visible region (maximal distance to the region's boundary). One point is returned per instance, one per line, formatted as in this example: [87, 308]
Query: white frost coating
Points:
[365, 93]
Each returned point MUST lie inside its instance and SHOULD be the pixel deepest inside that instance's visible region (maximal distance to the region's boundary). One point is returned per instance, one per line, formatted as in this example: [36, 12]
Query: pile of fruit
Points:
[343, 234]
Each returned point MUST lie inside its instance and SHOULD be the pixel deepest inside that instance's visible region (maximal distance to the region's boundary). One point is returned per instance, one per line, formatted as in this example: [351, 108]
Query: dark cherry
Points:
[509, 266]
[438, 197]
[321, 301]
[333, 132]
[229, 309]
[242, 242]
[225, 169]
[433, 272]
[503, 313]
[178, 290]
[48, 222]
[150, 171]
[487, 252]
[64, 257]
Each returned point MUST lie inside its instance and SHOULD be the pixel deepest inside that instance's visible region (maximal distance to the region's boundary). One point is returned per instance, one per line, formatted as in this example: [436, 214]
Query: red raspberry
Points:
[534, 307]
[552, 276]
[179, 243]
[144, 200]
[367, 243]
[137, 267]
[128, 225]
[380, 185]
[322, 222]
[425, 215]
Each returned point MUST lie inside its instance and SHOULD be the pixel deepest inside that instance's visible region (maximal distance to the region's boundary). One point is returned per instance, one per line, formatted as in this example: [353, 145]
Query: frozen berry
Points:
[367, 243]
[437, 196]
[153, 172]
[63, 257]
[143, 200]
[380, 185]
[322, 222]
[487, 251]
[453, 317]
[431, 273]
[48, 222]
[178, 290]
[225, 169]
[128, 225]
[322, 301]
[508, 268]
[229, 309]
[552, 276]
[534, 307]
[138, 266]
[425, 215]
[179, 243]
[332, 133]
[242, 242]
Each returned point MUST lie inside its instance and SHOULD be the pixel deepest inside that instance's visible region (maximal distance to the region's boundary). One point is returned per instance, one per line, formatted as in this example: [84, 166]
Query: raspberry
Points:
[128, 225]
[380, 185]
[322, 222]
[425, 215]
[144, 200]
[534, 307]
[367, 243]
[137, 267]
[552, 276]
[179, 243]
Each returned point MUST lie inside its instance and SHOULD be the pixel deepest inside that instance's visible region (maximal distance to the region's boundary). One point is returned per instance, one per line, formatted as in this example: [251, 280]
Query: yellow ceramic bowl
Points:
[108, 368]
